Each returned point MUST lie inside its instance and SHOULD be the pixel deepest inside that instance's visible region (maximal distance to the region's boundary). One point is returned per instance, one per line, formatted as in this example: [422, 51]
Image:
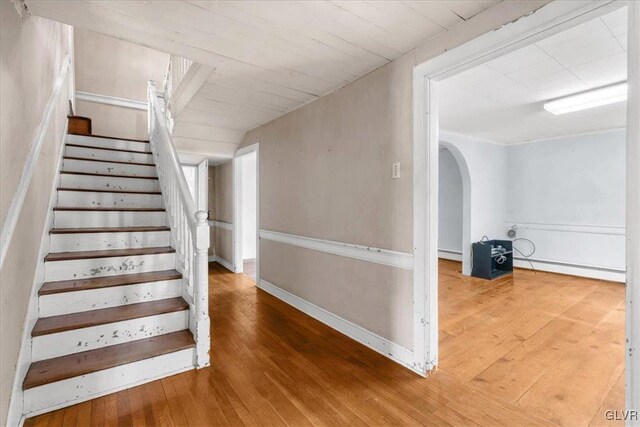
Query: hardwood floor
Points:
[540, 349]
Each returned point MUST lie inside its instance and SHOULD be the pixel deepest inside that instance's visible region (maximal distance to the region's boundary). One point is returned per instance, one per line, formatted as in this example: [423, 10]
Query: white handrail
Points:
[189, 227]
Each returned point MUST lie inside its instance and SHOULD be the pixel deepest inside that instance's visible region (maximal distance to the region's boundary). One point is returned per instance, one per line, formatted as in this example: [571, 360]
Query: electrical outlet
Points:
[395, 170]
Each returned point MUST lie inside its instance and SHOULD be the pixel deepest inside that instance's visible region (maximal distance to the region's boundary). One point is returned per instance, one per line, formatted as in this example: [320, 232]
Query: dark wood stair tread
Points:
[106, 209]
[108, 253]
[107, 230]
[117, 138]
[97, 190]
[107, 175]
[86, 362]
[50, 288]
[85, 159]
[86, 319]
[109, 149]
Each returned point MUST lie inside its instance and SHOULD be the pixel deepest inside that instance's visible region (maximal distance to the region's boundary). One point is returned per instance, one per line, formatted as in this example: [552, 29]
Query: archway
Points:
[466, 204]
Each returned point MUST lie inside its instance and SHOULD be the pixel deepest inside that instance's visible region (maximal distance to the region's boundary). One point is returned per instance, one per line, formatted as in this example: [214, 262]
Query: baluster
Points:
[190, 233]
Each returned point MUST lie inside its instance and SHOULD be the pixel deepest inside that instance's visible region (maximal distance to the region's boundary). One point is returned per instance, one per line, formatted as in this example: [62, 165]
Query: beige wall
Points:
[211, 200]
[222, 209]
[325, 172]
[108, 66]
[223, 184]
[32, 51]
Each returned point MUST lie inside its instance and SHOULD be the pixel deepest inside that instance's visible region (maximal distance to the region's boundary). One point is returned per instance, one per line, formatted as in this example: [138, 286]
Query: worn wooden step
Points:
[49, 288]
[109, 175]
[78, 295]
[74, 365]
[85, 159]
[68, 322]
[68, 256]
[109, 149]
[109, 198]
[106, 230]
[97, 153]
[106, 209]
[100, 190]
[82, 239]
[118, 138]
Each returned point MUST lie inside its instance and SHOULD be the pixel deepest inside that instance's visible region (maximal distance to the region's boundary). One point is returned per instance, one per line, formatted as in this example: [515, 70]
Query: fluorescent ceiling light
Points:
[590, 99]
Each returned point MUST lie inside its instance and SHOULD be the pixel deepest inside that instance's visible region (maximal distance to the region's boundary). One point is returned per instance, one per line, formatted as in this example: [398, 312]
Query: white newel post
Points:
[201, 289]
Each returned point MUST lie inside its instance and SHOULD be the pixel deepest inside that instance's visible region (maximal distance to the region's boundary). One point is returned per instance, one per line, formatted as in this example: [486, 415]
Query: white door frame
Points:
[632, 367]
[551, 19]
[237, 208]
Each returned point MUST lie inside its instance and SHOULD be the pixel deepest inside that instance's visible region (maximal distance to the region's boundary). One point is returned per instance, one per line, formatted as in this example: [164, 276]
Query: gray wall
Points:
[449, 203]
[31, 53]
[108, 66]
[567, 190]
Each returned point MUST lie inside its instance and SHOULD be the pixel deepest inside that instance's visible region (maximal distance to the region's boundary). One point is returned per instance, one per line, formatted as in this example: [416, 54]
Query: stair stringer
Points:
[17, 403]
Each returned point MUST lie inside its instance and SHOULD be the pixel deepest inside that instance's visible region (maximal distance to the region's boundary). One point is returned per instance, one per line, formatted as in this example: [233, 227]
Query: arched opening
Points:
[454, 206]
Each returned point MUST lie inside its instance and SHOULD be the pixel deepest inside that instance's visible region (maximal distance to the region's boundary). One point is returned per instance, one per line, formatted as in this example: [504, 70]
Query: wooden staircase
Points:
[111, 312]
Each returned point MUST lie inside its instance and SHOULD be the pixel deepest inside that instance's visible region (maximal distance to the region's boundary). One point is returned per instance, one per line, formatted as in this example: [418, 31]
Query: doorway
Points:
[197, 177]
[552, 19]
[246, 211]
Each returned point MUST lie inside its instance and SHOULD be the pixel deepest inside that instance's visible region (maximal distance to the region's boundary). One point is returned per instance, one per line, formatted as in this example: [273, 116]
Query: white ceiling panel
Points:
[503, 99]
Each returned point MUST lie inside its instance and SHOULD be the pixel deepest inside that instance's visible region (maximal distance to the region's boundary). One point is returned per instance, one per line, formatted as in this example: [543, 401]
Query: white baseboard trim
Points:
[573, 270]
[226, 264]
[29, 165]
[111, 100]
[388, 257]
[393, 351]
[450, 254]
[16, 404]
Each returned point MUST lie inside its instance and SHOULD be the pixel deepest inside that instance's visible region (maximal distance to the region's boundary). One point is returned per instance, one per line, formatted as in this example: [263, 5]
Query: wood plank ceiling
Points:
[269, 57]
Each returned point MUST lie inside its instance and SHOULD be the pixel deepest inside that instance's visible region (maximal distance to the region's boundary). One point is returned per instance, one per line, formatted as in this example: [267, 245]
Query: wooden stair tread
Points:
[109, 149]
[107, 230]
[96, 190]
[110, 175]
[107, 209]
[85, 159]
[49, 288]
[74, 365]
[86, 319]
[108, 253]
[117, 138]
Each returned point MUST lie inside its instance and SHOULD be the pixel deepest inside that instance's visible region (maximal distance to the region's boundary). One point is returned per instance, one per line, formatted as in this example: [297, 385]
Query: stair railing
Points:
[189, 227]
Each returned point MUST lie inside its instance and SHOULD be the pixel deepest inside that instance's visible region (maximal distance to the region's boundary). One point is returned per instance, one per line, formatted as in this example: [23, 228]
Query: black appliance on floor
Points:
[492, 258]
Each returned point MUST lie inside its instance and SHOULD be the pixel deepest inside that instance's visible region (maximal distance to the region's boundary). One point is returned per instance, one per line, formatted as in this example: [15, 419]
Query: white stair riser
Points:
[72, 165]
[80, 219]
[118, 156]
[108, 183]
[89, 199]
[100, 267]
[102, 241]
[94, 299]
[118, 144]
[85, 339]
[67, 392]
